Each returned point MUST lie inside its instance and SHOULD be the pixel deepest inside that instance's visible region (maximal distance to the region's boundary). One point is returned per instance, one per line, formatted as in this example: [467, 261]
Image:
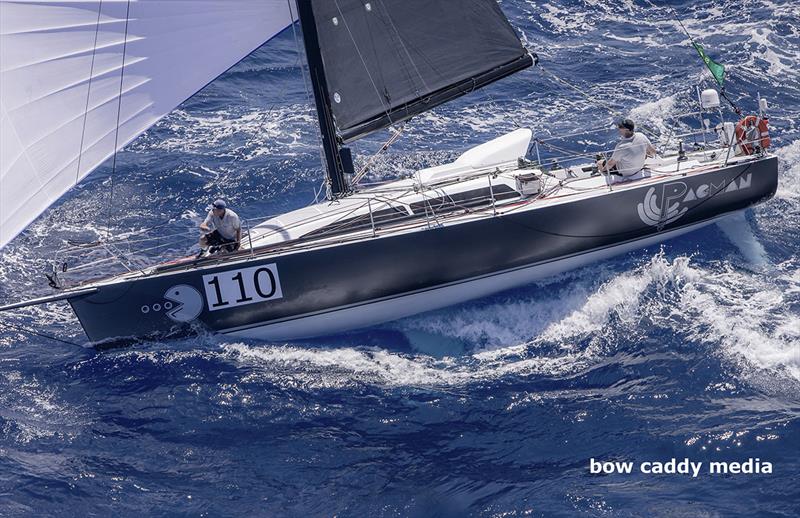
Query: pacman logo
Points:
[661, 206]
[187, 303]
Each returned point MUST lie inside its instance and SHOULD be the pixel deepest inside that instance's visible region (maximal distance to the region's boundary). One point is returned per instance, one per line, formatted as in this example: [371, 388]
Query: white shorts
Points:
[611, 179]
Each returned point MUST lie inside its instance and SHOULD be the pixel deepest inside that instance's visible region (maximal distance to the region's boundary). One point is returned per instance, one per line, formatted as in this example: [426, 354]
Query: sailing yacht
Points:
[492, 219]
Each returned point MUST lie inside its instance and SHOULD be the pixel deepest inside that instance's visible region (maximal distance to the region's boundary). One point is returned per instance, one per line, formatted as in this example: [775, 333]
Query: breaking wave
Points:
[568, 325]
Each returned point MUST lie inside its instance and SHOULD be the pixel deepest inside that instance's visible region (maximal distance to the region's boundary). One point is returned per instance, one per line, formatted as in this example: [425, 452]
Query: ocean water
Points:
[690, 349]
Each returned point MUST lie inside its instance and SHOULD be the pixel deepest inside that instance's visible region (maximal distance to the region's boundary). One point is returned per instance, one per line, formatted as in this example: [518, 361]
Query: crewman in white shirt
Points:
[222, 230]
[627, 160]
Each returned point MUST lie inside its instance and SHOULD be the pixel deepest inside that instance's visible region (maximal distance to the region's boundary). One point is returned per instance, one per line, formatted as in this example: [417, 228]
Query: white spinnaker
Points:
[64, 64]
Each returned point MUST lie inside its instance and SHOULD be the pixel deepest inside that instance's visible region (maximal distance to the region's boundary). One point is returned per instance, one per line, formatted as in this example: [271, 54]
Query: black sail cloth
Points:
[388, 60]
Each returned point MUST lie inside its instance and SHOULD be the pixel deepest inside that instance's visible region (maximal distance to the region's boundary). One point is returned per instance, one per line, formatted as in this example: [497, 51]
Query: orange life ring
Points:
[750, 131]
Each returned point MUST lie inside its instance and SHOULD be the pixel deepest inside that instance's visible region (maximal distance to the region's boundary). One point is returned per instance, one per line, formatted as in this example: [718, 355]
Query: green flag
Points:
[717, 70]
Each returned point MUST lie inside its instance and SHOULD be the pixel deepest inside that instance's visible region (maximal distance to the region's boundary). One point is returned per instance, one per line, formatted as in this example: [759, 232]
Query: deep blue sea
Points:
[690, 349]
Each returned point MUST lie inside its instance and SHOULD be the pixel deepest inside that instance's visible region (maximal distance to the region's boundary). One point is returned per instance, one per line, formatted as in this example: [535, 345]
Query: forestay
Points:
[388, 60]
[79, 80]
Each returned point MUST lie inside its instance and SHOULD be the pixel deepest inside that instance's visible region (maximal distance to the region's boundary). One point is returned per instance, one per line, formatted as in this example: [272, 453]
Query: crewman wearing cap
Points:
[222, 229]
[627, 160]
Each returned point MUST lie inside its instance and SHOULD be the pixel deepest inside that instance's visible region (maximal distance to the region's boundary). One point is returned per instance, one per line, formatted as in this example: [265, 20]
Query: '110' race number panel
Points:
[233, 288]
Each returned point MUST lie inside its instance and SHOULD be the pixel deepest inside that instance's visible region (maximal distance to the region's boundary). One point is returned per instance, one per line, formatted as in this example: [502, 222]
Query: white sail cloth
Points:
[79, 80]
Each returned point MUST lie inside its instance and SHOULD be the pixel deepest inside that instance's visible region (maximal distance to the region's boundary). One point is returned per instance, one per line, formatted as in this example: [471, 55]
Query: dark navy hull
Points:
[271, 292]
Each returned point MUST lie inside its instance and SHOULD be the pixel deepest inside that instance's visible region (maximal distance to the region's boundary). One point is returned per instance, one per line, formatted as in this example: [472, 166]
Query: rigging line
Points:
[383, 29]
[677, 19]
[576, 134]
[215, 181]
[570, 155]
[119, 110]
[264, 119]
[317, 192]
[88, 92]
[394, 138]
[594, 99]
[297, 49]
[403, 46]
[310, 104]
[504, 111]
[361, 57]
[37, 333]
[736, 108]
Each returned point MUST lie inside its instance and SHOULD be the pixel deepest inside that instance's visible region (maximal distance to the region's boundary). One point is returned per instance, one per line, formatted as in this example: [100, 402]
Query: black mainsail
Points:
[379, 62]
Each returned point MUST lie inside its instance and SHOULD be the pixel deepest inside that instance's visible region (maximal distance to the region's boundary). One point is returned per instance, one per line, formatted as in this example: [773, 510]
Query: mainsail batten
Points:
[388, 60]
[79, 80]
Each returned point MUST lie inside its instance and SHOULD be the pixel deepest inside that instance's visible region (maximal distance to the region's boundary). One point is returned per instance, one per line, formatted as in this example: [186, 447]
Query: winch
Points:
[528, 184]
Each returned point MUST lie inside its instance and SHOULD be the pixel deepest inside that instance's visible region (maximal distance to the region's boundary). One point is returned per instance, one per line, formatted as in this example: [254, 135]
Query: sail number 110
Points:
[240, 287]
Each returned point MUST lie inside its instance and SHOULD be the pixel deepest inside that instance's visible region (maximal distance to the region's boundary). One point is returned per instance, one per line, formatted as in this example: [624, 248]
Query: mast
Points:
[337, 162]
[376, 64]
